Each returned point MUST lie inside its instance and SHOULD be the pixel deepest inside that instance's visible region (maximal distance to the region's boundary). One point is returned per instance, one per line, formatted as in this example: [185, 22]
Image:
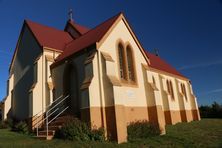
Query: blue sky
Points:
[188, 33]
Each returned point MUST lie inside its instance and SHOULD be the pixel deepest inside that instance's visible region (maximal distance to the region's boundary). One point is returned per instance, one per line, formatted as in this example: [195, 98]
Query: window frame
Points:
[172, 92]
[35, 72]
[183, 88]
[125, 80]
[132, 63]
[122, 62]
[170, 89]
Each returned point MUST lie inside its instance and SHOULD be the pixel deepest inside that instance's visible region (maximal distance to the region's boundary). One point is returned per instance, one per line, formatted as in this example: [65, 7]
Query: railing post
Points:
[37, 130]
[48, 113]
[46, 124]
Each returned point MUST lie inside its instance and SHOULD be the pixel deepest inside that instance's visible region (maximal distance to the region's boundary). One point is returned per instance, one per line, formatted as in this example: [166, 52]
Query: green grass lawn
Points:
[204, 133]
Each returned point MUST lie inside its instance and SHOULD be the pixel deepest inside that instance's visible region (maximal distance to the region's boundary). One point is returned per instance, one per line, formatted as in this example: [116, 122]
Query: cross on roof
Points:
[70, 14]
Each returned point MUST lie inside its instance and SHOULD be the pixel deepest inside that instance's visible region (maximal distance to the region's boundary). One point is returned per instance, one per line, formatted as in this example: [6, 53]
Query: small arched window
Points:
[171, 87]
[154, 82]
[122, 63]
[168, 86]
[130, 63]
[183, 88]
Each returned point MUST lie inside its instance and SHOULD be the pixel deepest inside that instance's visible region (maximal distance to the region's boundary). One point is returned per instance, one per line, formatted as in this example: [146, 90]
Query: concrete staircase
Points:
[53, 126]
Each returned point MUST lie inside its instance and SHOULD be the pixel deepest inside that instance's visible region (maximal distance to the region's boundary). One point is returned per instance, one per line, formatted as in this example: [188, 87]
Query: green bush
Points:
[9, 123]
[21, 127]
[141, 129]
[77, 130]
[98, 135]
[3, 125]
[211, 111]
[6, 124]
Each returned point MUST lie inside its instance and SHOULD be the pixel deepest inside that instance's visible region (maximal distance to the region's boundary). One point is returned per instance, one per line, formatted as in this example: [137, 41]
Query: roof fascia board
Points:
[18, 42]
[52, 49]
[121, 17]
[101, 41]
[166, 73]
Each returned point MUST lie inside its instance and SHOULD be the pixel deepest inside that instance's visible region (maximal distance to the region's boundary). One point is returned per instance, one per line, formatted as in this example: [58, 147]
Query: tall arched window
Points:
[122, 63]
[130, 62]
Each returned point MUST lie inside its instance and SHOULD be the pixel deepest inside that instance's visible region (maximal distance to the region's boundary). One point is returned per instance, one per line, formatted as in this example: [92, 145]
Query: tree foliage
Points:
[212, 111]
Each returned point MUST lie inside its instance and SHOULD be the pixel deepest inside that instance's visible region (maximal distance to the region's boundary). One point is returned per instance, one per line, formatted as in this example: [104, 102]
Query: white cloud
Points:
[202, 65]
[212, 91]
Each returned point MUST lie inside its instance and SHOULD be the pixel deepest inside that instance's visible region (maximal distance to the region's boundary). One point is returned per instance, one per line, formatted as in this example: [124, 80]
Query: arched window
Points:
[130, 64]
[171, 87]
[122, 65]
[154, 82]
[184, 90]
[168, 86]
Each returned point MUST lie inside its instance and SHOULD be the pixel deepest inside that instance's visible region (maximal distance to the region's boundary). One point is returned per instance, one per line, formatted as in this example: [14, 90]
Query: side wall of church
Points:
[23, 69]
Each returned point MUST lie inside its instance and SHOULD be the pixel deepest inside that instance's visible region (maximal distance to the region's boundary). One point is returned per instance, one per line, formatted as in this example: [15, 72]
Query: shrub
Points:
[77, 130]
[141, 129]
[74, 129]
[6, 124]
[97, 135]
[9, 123]
[21, 127]
[3, 125]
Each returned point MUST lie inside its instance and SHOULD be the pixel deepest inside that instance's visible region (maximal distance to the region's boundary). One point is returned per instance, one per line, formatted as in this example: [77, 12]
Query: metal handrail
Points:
[48, 122]
[57, 104]
[48, 105]
[48, 114]
[45, 108]
[58, 115]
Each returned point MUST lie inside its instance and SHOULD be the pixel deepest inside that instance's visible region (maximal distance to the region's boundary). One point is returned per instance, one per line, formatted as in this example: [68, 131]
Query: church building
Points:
[102, 76]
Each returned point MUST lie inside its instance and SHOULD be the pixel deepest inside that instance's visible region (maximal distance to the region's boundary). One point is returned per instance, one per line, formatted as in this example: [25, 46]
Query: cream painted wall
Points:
[157, 92]
[57, 75]
[192, 97]
[36, 102]
[187, 102]
[94, 93]
[23, 69]
[7, 101]
[79, 63]
[135, 96]
[124, 95]
[41, 92]
[173, 103]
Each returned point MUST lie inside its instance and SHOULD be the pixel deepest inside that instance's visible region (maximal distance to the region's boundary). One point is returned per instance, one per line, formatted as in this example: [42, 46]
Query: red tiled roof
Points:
[89, 38]
[81, 29]
[48, 36]
[158, 63]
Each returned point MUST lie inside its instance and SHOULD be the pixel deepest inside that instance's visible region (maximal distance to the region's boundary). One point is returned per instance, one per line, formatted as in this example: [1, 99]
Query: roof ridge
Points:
[91, 37]
[27, 21]
[95, 28]
[82, 26]
[48, 36]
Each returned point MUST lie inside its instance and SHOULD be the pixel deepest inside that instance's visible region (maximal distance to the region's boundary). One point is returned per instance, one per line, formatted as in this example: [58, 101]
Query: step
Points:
[43, 133]
[44, 137]
[62, 118]
[66, 117]
[54, 127]
[56, 123]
